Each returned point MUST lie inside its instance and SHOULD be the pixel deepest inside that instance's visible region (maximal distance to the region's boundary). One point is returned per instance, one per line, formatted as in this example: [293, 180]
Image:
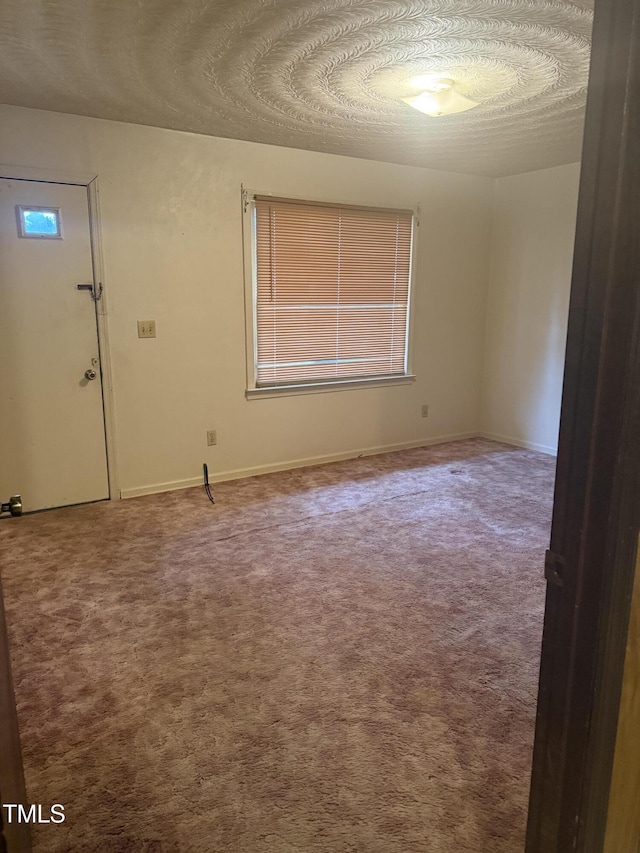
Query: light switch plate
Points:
[146, 328]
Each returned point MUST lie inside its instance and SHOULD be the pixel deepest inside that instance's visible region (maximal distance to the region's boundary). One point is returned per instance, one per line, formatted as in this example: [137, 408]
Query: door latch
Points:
[554, 568]
[95, 294]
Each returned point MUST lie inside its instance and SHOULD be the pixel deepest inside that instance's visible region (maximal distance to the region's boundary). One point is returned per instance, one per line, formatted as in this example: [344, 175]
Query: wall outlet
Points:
[425, 411]
[146, 328]
[212, 437]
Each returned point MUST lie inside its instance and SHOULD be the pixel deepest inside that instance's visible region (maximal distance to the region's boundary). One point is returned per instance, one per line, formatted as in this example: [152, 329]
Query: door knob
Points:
[13, 505]
[90, 373]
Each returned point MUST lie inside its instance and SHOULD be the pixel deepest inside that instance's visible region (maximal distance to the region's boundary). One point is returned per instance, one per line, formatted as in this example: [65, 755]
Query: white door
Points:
[52, 439]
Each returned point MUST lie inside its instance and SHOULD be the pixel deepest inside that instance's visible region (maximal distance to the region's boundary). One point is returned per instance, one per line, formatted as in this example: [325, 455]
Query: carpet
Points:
[337, 659]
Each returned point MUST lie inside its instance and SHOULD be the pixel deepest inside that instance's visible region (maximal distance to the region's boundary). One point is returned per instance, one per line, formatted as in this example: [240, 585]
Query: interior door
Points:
[52, 446]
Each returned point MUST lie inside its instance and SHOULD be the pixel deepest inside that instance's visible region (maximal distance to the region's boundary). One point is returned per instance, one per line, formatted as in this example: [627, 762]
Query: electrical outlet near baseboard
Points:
[425, 410]
[212, 437]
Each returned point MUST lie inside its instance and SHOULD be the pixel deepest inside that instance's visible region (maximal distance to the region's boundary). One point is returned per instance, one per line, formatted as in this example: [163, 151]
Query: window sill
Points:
[324, 387]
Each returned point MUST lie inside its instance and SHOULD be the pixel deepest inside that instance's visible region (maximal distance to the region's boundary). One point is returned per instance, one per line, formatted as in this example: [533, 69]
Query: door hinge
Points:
[554, 568]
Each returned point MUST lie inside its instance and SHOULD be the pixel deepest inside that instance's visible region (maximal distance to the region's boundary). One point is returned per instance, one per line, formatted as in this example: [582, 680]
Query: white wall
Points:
[534, 219]
[171, 228]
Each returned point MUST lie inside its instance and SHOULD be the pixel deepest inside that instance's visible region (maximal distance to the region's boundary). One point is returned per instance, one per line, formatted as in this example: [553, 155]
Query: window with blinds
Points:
[332, 296]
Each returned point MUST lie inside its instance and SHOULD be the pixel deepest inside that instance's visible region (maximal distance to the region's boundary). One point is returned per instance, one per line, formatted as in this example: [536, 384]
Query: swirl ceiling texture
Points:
[325, 75]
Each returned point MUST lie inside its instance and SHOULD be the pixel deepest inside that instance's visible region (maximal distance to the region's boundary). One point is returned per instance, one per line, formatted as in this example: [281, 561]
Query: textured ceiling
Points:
[324, 75]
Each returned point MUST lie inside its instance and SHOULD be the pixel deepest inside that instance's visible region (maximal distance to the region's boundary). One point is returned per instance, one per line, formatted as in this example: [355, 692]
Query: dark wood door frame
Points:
[14, 837]
[596, 516]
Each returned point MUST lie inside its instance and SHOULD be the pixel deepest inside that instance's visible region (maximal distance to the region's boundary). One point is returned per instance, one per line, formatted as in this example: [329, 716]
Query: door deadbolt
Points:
[90, 373]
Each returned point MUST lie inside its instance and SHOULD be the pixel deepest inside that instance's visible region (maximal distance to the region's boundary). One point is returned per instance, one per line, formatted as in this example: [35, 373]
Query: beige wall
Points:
[623, 819]
[534, 218]
[171, 228]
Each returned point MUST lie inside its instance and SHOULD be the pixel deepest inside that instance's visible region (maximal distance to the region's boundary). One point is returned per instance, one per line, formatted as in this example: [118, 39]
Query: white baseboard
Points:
[517, 442]
[241, 473]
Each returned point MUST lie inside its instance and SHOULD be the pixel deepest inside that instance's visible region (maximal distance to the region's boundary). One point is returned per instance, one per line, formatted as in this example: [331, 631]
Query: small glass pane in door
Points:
[39, 222]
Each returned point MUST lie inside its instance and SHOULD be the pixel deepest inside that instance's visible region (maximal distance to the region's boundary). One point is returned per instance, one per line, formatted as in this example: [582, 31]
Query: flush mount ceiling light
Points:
[438, 97]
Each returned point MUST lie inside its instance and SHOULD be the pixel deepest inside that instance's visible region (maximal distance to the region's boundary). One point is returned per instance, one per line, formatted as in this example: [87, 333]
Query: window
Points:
[330, 292]
[39, 222]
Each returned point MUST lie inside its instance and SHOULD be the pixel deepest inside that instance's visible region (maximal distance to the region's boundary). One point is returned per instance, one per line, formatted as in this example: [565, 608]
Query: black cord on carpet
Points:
[207, 487]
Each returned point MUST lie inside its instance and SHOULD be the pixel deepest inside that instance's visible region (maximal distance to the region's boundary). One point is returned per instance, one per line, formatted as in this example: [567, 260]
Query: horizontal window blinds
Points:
[332, 291]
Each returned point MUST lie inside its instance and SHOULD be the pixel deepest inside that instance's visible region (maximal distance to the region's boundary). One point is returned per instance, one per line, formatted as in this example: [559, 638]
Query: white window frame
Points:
[254, 391]
[21, 209]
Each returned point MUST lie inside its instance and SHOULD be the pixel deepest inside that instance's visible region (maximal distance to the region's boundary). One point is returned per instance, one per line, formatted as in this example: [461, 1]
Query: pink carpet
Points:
[340, 659]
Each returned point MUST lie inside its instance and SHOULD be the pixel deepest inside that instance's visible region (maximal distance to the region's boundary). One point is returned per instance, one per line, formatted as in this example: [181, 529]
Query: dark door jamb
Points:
[596, 516]
[14, 837]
